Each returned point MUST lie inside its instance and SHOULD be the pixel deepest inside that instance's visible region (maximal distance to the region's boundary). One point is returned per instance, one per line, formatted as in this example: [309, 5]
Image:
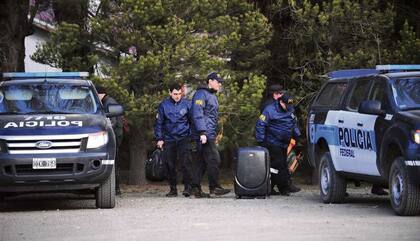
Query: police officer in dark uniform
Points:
[274, 129]
[172, 132]
[117, 126]
[205, 115]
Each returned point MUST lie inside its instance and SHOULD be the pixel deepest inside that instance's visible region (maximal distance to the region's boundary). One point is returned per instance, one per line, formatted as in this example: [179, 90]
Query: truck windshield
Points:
[407, 93]
[47, 98]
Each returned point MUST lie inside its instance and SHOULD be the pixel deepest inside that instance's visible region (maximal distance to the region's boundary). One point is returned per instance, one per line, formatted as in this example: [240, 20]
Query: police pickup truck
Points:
[55, 136]
[364, 125]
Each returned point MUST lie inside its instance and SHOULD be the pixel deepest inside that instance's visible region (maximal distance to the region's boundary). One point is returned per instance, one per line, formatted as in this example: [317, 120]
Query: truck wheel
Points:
[105, 193]
[405, 196]
[332, 185]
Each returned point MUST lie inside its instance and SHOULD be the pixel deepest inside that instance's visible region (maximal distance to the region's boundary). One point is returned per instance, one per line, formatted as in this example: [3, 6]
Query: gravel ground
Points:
[143, 213]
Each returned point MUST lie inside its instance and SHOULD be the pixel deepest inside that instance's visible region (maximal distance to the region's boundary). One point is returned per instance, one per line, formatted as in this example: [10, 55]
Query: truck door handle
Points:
[359, 124]
[340, 121]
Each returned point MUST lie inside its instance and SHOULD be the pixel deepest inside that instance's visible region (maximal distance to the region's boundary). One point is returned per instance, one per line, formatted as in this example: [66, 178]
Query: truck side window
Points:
[359, 93]
[331, 94]
[378, 93]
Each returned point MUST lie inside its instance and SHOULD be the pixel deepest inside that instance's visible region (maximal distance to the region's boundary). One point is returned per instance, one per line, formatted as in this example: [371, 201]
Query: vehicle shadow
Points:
[367, 198]
[47, 202]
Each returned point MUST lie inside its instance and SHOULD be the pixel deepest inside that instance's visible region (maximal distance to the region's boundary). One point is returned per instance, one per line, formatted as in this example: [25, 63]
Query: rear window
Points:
[331, 95]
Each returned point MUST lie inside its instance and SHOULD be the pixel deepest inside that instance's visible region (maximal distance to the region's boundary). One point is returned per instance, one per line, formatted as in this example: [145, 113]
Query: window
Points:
[47, 98]
[406, 93]
[359, 94]
[378, 93]
[331, 94]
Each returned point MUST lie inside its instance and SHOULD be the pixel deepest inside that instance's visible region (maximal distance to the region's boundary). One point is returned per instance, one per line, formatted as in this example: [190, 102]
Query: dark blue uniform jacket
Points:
[205, 113]
[172, 120]
[276, 126]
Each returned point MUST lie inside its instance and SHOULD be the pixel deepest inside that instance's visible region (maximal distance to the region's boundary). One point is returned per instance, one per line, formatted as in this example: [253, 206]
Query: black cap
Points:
[275, 88]
[215, 76]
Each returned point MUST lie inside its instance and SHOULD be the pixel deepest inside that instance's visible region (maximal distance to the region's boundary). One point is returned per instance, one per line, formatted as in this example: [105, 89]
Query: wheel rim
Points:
[397, 188]
[325, 179]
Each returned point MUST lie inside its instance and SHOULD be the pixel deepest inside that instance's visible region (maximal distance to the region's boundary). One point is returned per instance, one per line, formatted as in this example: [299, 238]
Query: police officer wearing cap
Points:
[172, 132]
[205, 115]
[117, 126]
[274, 129]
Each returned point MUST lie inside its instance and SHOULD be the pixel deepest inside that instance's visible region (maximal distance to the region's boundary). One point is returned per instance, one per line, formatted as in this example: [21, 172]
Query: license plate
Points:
[44, 163]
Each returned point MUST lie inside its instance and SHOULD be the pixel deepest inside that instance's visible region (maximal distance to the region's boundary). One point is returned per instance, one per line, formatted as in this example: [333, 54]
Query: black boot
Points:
[293, 188]
[198, 193]
[172, 193]
[285, 192]
[219, 191]
[187, 191]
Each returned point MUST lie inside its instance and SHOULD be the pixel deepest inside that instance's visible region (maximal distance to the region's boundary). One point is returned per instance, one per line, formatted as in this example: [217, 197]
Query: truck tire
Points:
[105, 193]
[405, 196]
[332, 186]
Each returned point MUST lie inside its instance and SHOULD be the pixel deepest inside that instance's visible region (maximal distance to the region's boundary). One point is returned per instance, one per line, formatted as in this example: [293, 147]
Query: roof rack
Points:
[34, 75]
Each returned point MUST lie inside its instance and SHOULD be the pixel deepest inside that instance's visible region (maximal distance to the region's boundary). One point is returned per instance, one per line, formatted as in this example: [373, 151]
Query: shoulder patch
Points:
[262, 117]
[199, 102]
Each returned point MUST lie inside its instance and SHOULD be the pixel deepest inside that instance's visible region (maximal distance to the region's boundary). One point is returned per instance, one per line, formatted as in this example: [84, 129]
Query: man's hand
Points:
[203, 139]
[160, 144]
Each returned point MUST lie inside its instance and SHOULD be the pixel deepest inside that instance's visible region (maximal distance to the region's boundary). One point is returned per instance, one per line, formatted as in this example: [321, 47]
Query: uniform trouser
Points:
[117, 171]
[278, 163]
[172, 150]
[118, 141]
[207, 158]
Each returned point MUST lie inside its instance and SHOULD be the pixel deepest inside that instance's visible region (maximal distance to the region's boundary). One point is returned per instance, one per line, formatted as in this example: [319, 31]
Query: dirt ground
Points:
[144, 213]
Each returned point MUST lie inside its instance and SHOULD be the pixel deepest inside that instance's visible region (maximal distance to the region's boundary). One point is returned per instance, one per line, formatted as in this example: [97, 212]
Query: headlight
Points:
[416, 136]
[96, 140]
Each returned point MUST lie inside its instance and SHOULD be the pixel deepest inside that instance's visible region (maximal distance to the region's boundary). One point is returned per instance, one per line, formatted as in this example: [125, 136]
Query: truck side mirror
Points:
[113, 110]
[372, 107]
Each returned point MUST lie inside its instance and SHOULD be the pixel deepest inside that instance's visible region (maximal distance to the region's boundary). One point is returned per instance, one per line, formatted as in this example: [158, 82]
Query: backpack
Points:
[155, 166]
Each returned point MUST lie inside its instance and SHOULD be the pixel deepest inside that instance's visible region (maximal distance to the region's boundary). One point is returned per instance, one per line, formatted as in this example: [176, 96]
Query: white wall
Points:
[31, 41]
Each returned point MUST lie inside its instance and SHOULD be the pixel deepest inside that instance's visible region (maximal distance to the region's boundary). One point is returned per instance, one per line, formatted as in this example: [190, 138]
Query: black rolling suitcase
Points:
[252, 174]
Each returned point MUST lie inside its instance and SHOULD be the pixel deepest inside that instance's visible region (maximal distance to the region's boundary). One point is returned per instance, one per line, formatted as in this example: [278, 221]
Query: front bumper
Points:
[74, 171]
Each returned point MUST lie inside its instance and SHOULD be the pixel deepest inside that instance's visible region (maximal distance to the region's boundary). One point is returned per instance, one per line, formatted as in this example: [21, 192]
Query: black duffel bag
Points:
[155, 166]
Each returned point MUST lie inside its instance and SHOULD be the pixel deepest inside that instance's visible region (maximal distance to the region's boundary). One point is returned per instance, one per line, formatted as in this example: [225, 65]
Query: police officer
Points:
[117, 126]
[274, 129]
[275, 92]
[205, 115]
[172, 132]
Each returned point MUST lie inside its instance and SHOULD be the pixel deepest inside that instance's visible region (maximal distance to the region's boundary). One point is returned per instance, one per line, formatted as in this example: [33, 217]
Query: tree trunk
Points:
[13, 30]
[138, 155]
